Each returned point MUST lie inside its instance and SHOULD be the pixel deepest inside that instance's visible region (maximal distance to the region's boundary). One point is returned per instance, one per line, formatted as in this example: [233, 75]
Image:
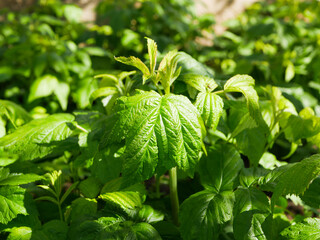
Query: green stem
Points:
[60, 212]
[174, 195]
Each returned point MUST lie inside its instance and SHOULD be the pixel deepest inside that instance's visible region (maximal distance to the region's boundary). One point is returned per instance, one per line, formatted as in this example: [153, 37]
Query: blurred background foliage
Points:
[46, 44]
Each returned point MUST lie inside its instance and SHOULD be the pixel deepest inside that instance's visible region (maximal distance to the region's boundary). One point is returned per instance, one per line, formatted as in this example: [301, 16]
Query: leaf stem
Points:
[81, 128]
[174, 195]
[60, 212]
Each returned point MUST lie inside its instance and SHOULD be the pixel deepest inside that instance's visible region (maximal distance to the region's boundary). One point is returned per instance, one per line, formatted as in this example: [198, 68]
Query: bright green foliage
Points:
[15, 114]
[20, 233]
[306, 125]
[129, 202]
[11, 203]
[297, 178]
[161, 131]
[152, 50]
[203, 213]
[32, 140]
[149, 215]
[18, 179]
[245, 85]
[12, 197]
[135, 62]
[106, 168]
[210, 106]
[200, 82]
[47, 85]
[309, 229]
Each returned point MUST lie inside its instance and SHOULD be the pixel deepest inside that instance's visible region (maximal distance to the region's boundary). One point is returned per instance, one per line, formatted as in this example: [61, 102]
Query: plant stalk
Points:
[174, 195]
[60, 212]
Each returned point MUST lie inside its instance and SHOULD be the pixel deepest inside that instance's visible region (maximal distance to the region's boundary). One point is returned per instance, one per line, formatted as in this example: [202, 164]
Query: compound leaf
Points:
[160, 131]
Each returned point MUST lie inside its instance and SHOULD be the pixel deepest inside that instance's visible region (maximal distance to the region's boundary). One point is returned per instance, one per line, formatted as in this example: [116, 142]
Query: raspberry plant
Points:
[125, 165]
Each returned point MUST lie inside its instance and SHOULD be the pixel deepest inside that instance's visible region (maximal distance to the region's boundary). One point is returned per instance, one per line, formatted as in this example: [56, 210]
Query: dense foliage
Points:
[175, 145]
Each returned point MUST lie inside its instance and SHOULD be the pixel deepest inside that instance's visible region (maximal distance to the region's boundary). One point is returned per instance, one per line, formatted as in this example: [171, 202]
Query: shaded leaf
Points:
[203, 214]
[219, 169]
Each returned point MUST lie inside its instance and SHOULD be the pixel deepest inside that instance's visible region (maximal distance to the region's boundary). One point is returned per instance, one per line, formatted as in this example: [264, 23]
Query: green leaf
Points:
[72, 13]
[269, 161]
[297, 178]
[17, 179]
[39, 137]
[252, 215]
[152, 50]
[252, 225]
[251, 176]
[149, 215]
[135, 62]
[90, 187]
[245, 85]
[103, 92]
[251, 142]
[309, 229]
[20, 233]
[116, 185]
[312, 196]
[305, 125]
[160, 131]
[219, 169]
[200, 82]
[203, 214]
[290, 72]
[106, 163]
[42, 87]
[52, 230]
[16, 114]
[7, 159]
[167, 71]
[115, 228]
[6, 73]
[129, 202]
[191, 66]
[11, 203]
[48, 198]
[248, 199]
[83, 207]
[210, 106]
[62, 91]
